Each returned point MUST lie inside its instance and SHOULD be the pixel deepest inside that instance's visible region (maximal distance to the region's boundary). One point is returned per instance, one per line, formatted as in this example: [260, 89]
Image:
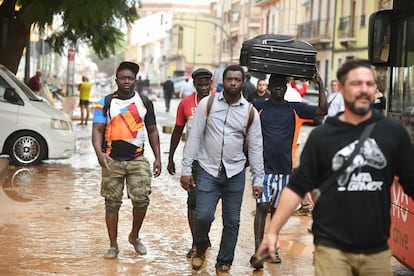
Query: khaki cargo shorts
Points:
[135, 175]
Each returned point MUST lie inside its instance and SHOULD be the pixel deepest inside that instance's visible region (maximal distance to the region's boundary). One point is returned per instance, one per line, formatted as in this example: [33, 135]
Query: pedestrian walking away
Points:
[168, 89]
[120, 124]
[351, 218]
[216, 141]
[185, 113]
[139, 86]
[278, 121]
[84, 94]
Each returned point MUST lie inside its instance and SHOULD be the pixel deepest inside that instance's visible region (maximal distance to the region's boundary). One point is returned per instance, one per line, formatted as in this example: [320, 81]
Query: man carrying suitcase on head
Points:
[278, 119]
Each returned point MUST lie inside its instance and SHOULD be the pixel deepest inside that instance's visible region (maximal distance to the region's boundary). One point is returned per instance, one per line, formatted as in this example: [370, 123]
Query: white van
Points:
[31, 130]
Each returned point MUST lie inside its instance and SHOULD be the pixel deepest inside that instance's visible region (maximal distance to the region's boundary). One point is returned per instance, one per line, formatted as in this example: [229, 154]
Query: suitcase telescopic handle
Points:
[265, 41]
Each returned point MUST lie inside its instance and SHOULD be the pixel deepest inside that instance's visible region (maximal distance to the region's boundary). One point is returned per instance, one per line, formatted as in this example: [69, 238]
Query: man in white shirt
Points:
[335, 100]
[187, 89]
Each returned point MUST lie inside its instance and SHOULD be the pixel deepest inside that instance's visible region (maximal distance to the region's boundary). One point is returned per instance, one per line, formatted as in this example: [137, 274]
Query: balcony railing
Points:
[317, 31]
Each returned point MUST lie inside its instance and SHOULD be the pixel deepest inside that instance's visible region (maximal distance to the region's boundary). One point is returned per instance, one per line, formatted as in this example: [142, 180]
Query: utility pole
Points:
[70, 81]
[218, 26]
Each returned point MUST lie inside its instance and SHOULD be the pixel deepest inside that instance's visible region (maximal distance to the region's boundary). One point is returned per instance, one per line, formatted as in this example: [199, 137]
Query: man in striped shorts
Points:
[278, 119]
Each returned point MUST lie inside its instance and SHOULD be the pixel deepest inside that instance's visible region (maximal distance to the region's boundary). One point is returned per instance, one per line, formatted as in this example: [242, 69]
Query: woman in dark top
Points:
[380, 101]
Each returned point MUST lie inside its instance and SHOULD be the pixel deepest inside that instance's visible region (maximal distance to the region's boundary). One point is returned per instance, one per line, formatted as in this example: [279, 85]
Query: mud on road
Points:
[52, 222]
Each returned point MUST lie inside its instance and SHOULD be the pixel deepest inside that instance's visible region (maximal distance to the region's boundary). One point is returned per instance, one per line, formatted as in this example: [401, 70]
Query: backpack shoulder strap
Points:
[145, 100]
[250, 118]
[107, 103]
[209, 104]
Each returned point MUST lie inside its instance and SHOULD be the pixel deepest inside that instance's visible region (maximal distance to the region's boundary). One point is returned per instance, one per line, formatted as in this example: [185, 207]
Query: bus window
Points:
[403, 40]
[402, 98]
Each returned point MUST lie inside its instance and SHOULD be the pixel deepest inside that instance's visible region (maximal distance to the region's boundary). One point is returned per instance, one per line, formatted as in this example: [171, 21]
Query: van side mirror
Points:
[11, 96]
[379, 37]
[390, 42]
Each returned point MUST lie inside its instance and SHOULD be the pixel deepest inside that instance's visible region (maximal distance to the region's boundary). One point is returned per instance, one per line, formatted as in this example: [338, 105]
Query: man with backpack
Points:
[216, 139]
[120, 125]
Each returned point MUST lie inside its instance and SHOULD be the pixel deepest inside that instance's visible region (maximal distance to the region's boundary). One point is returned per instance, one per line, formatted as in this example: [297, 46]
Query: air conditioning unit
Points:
[304, 2]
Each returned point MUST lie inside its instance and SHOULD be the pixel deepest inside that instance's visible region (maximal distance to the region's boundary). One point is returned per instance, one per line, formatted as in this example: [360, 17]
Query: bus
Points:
[391, 47]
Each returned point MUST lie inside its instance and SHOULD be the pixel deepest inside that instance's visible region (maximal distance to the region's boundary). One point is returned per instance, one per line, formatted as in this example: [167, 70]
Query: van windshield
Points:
[26, 90]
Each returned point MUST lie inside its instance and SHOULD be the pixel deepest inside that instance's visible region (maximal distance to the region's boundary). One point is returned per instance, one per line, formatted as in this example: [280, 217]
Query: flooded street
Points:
[52, 222]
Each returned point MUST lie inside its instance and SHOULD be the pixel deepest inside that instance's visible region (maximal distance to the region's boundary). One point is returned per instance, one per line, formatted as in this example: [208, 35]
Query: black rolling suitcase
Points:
[279, 54]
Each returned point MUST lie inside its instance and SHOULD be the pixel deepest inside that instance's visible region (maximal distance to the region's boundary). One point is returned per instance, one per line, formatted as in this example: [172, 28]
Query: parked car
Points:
[31, 129]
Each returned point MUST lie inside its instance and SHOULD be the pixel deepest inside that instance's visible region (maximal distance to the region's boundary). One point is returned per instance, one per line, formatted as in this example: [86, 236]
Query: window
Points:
[3, 86]
[363, 13]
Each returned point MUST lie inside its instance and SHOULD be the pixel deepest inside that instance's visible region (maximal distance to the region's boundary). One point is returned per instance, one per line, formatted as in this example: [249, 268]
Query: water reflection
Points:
[18, 185]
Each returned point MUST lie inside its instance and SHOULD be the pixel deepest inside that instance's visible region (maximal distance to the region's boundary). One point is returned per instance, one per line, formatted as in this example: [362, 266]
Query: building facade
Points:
[212, 35]
[170, 39]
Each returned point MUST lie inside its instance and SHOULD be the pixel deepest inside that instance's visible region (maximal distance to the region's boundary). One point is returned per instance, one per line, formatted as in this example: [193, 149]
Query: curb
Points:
[4, 166]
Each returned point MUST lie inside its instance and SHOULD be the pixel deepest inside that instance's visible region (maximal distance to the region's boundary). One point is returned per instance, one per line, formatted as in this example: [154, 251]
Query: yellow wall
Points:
[359, 47]
[198, 39]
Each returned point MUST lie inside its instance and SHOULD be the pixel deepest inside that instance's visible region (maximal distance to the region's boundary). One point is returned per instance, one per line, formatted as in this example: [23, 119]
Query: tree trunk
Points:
[14, 37]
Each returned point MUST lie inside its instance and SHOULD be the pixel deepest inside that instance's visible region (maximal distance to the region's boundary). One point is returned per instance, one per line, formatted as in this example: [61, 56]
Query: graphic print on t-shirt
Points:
[126, 124]
[369, 155]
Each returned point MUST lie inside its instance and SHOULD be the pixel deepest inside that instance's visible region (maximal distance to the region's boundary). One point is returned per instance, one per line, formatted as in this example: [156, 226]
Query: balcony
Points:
[346, 31]
[316, 32]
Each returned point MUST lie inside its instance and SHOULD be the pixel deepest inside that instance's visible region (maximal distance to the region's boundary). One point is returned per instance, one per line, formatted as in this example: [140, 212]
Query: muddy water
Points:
[52, 223]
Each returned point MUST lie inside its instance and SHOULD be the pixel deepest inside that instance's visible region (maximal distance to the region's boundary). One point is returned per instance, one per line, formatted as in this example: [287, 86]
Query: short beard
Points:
[358, 110]
[231, 95]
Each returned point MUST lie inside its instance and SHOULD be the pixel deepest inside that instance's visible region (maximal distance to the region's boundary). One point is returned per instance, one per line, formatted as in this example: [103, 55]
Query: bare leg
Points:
[82, 111]
[133, 238]
[259, 223]
[87, 114]
[138, 218]
[111, 219]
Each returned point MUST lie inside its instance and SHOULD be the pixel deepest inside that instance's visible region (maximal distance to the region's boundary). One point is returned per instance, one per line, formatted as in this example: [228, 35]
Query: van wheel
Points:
[26, 148]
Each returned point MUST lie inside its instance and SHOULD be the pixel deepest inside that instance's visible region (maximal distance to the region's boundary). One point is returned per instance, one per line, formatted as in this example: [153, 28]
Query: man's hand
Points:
[257, 192]
[317, 79]
[268, 245]
[102, 159]
[171, 167]
[156, 171]
[186, 181]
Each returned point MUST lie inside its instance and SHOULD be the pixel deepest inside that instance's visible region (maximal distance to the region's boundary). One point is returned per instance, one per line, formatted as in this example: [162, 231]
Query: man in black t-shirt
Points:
[351, 219]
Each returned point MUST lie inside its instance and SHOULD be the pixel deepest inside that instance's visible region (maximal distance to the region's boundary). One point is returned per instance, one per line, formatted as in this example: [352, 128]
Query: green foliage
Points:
[95, 22]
